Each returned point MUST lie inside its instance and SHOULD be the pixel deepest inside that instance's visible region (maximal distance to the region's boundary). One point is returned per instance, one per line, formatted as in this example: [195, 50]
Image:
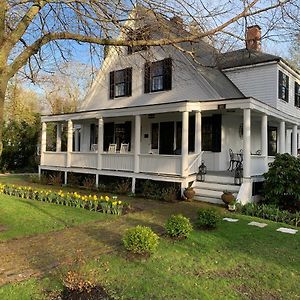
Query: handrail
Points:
[194, 161]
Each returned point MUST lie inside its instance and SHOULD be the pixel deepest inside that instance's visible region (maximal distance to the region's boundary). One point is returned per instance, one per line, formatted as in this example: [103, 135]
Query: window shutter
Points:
[167, 74]
[216, 133]
[128, 81]
[147, 78]
[112, 85]
[287, 89]
[129, 50]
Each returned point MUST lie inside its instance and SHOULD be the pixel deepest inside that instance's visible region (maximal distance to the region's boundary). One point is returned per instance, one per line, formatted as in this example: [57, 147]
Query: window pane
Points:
[157, 83]
[120, 76]
[154, 136]
[120, 89]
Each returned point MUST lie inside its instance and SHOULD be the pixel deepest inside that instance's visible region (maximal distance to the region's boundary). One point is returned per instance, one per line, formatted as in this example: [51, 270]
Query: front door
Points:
[166, 138]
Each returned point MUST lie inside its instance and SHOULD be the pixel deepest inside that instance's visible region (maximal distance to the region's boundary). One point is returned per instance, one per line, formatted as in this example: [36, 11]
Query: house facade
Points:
[156, 113]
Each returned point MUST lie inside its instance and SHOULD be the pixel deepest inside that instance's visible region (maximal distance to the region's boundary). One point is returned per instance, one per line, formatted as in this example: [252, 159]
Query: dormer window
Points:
[139, 34]
[283, 87]
[158, 76]
[297, 94]
[120, 83]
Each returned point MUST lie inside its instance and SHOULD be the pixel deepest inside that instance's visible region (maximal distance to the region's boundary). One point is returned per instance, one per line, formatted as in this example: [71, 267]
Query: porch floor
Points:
[221, 173]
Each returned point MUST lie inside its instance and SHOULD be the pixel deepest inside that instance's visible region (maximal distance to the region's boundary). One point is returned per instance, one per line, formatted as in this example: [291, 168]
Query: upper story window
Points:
[297, 94]
[139, 34]
[158, 76]
[283, 87]
[120, 83]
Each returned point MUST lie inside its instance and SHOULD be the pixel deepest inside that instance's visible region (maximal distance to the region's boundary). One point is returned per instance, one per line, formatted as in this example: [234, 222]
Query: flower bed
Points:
[103, 204]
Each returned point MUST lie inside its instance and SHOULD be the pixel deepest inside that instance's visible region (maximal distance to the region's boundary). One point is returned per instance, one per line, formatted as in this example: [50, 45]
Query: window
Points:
[158, 76]
[117, 134]
[272, 141]
[212, 133]
[120, 83]
[138, 35]
[283, 87]
[297, 94]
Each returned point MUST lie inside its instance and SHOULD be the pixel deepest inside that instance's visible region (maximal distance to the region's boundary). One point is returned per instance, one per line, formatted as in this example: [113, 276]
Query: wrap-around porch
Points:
[170, 140]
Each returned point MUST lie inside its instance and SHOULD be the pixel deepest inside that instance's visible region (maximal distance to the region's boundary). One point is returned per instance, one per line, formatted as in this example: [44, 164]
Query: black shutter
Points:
[280, 84]
[112, 85]
[129, 50]
[127, 134]
[92, 134]
[147, 78]
[287, 89]
[216, 133]
[167, 67]
[192, 133]
[128, 81]
[108, 132]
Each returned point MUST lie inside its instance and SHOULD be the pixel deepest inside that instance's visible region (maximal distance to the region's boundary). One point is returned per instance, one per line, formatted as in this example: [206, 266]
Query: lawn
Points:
[235, 261]
[20, 217]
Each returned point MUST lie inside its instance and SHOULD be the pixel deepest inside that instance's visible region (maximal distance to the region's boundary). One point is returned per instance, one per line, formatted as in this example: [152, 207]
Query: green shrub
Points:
[208, 218]
[271, 212]
[141, 240]
[282, 184]
[178, 226]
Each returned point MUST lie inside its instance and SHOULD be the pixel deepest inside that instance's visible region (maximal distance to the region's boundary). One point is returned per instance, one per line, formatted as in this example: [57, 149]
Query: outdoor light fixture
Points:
[238, 174]
[202, 171]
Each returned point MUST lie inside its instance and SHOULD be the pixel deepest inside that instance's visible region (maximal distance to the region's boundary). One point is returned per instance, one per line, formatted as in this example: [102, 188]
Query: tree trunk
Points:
[3, 87]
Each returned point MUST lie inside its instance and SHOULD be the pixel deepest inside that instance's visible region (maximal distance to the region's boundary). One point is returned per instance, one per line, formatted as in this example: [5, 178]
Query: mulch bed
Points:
[2, 228]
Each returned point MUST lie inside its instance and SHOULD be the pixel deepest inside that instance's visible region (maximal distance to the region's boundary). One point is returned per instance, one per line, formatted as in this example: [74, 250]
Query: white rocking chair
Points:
[112, 148]
[124, 148]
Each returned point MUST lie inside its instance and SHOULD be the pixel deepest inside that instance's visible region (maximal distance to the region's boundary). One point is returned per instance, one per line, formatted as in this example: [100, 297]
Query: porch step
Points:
[212, 189]
[220, 179]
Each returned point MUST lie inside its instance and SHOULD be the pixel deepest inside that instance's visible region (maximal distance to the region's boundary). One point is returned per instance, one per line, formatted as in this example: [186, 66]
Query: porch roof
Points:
[179, 106]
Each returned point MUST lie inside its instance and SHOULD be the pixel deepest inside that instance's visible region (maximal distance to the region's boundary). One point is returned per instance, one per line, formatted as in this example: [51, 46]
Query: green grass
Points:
[235, 261]
[20, 217]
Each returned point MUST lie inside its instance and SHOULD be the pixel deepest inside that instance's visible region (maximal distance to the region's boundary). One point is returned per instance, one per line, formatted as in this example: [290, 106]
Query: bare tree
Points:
[32, 32]
[65, 89]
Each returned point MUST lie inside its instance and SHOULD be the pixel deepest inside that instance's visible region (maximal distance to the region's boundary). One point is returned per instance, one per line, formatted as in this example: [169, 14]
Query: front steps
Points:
[212, 188]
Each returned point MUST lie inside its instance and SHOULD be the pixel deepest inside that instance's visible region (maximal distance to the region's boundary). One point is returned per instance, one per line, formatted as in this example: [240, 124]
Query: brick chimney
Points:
[253, 38]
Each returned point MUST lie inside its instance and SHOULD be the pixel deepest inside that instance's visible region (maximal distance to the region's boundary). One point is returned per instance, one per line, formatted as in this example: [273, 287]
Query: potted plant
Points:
[227, 197]
[189, 192]
[231, 205]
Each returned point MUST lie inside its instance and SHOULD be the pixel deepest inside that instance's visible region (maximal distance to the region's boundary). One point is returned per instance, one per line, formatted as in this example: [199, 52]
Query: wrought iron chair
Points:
[234, 159]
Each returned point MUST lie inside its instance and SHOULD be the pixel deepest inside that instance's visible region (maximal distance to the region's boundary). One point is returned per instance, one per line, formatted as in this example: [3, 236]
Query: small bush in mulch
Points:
[77, 288]
[178, 227]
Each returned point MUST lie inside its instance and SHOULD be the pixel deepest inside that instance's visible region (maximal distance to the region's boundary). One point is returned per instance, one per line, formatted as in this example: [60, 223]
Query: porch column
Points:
[184, 143]
[247, 143]
[282, 137]
[58, 137]
[137, 143]
[288, 141]
[70, 142]
[43, 142]
[264, 139]
[198, 146]
[100, 142]
[298, 140]
[294, 140]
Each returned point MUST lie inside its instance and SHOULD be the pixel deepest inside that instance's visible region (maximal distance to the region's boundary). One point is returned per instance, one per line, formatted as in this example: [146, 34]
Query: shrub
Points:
[140, 240]
[55, 179]
[89, 183]
[169, 194]
[282, 184]
[123, 187]
[208, 218]
[271, 212]
[178, 226]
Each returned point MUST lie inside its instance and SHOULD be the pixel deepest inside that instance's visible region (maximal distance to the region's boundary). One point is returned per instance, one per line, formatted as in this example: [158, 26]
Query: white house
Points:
[156, 113]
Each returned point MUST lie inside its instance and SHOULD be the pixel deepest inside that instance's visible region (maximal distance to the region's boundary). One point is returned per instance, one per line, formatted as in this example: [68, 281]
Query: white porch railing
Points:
[193, 162]
[118, 162]
[160, 164]
[84, 160]
[258, 166]
[55, 159]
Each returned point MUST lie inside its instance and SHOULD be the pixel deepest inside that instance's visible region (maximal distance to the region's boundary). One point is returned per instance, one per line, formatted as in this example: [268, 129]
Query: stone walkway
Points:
[262, 225]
